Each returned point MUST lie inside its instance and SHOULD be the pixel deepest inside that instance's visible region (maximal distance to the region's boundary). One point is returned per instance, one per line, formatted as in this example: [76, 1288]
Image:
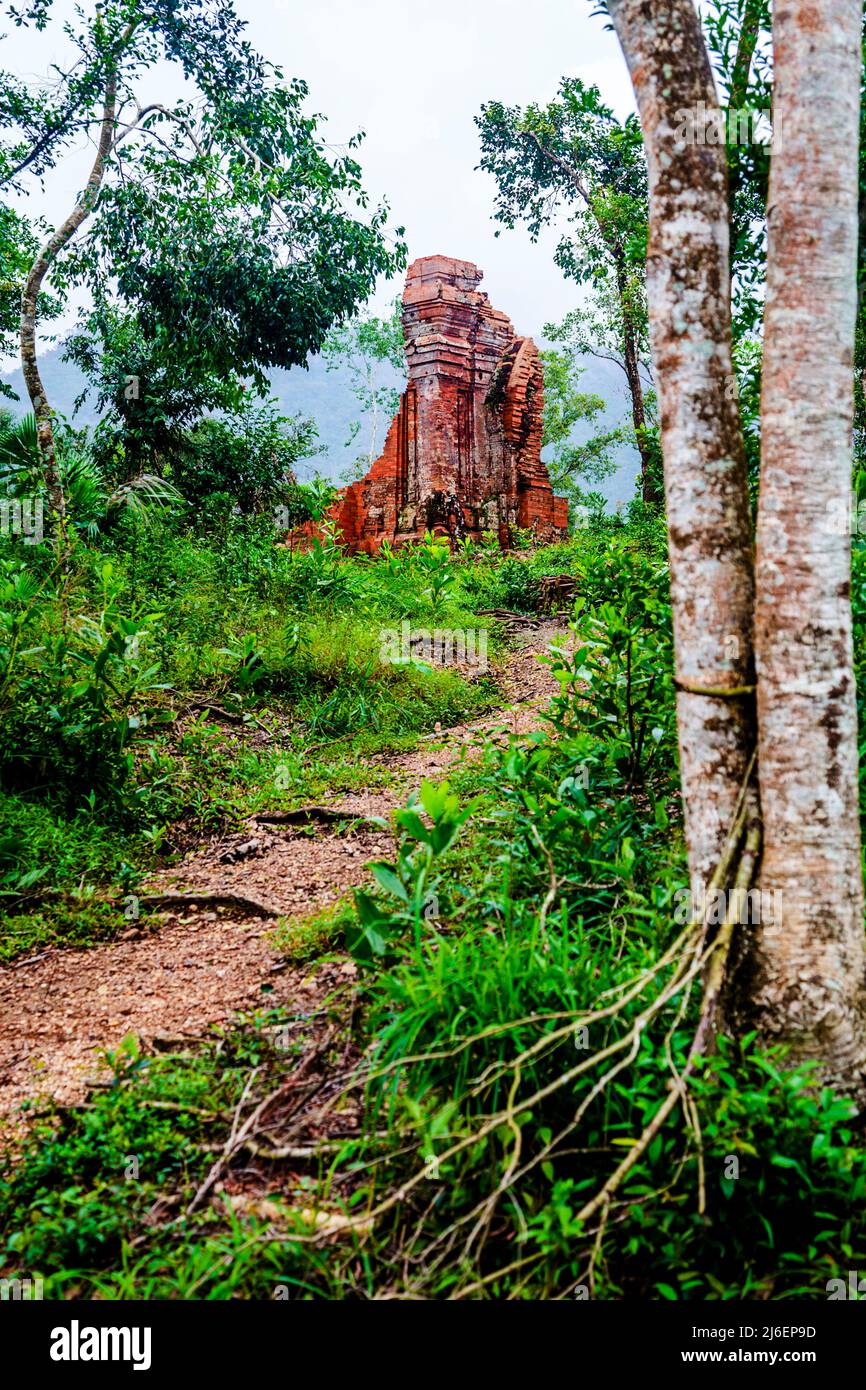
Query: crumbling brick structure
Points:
[463, 453]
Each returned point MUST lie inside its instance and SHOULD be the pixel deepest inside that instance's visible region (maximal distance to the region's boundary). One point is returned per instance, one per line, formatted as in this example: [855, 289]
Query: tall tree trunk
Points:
[860, 359]
[47, 254]
[704, 462]
[630, 351]
[631, 363]
[809, 960]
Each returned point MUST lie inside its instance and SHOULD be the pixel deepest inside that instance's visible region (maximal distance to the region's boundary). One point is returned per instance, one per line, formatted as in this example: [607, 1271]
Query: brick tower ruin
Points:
[463, 453]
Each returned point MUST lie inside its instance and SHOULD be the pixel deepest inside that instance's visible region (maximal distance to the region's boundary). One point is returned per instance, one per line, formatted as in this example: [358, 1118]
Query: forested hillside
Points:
[326, 397]
[311, 391]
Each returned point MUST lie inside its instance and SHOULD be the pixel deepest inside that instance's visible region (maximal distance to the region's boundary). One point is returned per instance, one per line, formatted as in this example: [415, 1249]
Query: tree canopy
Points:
[221, 222]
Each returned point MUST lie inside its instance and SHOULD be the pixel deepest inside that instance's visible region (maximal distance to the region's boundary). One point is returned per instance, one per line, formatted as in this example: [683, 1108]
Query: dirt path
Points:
[59, 1011]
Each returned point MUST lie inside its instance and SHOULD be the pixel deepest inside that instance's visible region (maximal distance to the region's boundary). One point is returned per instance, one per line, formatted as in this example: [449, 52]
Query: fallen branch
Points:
[236, 1135]
[508, 617]
[252, 1146]
[31, 960]
[225, 715]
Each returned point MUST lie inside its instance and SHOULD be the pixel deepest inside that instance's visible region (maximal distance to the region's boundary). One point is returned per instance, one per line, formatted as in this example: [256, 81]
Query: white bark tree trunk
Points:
[803, 980]
[705, 471]
[30, 300]
[808, 986]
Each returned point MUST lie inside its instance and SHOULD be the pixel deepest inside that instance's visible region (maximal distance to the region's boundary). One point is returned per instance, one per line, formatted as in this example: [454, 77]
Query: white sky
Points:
[413, 78]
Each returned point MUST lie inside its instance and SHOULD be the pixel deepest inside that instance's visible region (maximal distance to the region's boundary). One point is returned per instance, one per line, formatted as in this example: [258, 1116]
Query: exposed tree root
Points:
[700, 953]
[161, 901]
[304, 815]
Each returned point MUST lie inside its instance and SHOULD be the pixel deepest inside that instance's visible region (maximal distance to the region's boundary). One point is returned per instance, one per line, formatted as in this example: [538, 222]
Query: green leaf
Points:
[386, 878]
[413, 825]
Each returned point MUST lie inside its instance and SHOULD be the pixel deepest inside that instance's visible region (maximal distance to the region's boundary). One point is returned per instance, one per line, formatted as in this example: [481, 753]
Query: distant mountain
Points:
[63, 384]
[326, 397]
[323, 395]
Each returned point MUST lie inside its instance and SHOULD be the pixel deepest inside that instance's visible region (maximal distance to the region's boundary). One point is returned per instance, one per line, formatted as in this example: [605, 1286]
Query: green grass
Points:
[554, 894]
[94, 1181]
[75, 922]
[315, 935]
[64, 877]
[472, 1014]
[105, 774]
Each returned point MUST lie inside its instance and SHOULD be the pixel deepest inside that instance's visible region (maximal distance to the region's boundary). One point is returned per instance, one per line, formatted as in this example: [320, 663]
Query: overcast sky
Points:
[412, 77]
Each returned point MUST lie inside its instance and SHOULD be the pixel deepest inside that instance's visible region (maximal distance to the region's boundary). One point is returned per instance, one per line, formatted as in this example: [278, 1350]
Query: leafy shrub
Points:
[72, 702]
[518, 585]
[249, 456]
[617, 682]
[407, 883]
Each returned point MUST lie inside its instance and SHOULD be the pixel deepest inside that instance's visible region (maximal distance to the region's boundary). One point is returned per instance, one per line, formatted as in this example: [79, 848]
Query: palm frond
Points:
[142, 494]
[89, 499]
[19, 442]
[19, 455]
[85, 490]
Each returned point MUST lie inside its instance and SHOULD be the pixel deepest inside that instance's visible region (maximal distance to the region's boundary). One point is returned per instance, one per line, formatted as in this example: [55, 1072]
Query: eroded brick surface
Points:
[463, 453]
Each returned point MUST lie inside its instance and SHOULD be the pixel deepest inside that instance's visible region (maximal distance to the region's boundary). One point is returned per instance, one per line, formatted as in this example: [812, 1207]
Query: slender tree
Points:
[810, 963]
[365, 348]
[573, 465]
[574, 154]
[46, 255]
[704, 463]
[221, 221]
[802, 979]
[736, 33]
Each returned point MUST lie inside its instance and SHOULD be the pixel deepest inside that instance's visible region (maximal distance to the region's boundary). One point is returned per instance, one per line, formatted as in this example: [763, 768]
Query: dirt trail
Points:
[59, 1011]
